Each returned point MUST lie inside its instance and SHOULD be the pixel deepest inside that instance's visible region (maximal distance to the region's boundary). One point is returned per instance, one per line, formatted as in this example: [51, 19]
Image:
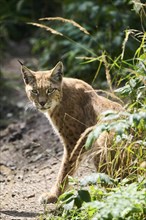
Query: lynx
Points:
[72, 107]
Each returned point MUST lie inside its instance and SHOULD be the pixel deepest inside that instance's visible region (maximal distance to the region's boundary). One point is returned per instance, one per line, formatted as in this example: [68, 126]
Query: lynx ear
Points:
[27, 74]
[57, 72]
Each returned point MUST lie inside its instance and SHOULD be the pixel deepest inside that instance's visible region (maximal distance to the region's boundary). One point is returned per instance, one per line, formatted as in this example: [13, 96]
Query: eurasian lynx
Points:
[72, 106]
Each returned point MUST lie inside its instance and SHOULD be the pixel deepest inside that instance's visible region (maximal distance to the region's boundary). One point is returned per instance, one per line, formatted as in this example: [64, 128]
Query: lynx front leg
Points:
[69, 164]
[61, 182]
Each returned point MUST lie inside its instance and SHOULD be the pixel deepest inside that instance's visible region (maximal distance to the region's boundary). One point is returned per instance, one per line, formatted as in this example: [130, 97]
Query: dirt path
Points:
[30, 153]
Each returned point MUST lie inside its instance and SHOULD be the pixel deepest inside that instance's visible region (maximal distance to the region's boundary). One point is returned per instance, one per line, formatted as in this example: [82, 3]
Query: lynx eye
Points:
[49, 91]
[34, 91]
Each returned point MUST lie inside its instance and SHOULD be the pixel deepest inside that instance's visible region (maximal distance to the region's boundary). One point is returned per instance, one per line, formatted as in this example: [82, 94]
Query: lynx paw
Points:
[46, 198]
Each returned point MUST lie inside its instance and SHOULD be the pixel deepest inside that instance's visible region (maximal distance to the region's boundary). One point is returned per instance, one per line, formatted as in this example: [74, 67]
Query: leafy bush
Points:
[124, 202]
[100, 200]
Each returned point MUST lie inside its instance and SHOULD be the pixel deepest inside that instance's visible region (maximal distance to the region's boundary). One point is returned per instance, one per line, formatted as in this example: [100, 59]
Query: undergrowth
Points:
[119, 194]
[100, 197]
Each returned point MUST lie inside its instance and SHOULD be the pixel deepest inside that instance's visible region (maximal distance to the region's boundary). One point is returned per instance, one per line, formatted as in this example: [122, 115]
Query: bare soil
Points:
[30, 152]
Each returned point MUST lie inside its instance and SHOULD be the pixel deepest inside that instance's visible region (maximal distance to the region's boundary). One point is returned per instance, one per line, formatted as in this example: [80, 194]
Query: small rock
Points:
[20, 104]
[30, 196]
[13, 195]
[54, 162]
[9, 115]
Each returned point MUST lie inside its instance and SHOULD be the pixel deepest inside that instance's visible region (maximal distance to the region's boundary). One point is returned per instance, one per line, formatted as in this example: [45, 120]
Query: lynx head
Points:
[44, 88]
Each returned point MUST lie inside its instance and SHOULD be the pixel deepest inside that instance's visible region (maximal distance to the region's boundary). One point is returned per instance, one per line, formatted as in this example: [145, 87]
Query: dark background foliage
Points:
[105, 21]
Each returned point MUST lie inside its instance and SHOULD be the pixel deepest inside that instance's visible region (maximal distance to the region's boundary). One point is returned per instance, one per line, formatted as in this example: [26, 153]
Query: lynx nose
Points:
[42, 103]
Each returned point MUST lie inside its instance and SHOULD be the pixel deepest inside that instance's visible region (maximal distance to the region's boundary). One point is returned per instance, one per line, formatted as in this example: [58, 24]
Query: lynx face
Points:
[44, 88]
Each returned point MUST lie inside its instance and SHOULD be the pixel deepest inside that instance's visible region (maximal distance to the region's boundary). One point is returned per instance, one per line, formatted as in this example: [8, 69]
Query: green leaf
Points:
[90, 140]
[97, 178]
[125, 90]
[95, 134]
[78, 202]
[84, 195]
[132, 82]
[67, 196]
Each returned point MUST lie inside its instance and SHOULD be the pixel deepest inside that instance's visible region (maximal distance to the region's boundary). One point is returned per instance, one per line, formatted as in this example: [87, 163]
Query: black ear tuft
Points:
[20, 62]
